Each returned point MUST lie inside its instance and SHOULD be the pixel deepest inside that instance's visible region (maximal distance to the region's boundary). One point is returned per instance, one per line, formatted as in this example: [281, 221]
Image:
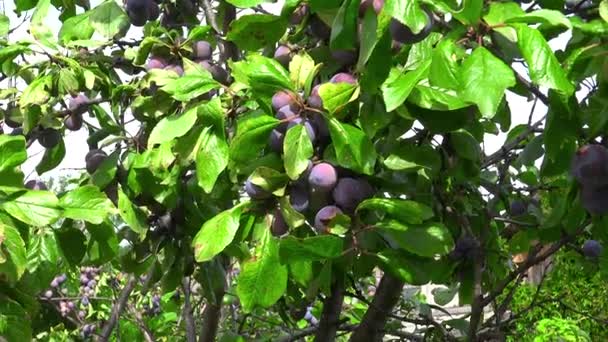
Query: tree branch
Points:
[372, 325]
[187, 312]
[332, 308]
[117, 309]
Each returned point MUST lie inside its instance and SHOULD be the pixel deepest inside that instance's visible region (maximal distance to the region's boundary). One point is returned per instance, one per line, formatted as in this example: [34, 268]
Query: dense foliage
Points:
[252, 175]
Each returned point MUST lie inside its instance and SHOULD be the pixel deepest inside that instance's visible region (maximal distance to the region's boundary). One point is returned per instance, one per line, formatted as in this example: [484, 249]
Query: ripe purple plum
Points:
[94, 159]
[350, 192]
[324, 217]
[279, 227]
[283, 98]
[75, 104]
[283, 55]
[320, 125]
[298, 198]
[153, 10]
[595, 200]
[73, 122]
[517, 208]
[276, 141]
[343, 77]
[288, 111]
[35, 184]
[592, 249]
[202, 50]
[323, 177]
[318, 28]
[49, 137]
[314, 100]
[590, 166]
[219, 74]
[255, 191]
[137, 10]
[299, 14]
[156, 62]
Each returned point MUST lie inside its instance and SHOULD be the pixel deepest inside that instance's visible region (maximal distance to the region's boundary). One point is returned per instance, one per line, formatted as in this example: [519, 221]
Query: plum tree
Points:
[592, 249]
[350, 192]
[94, 159]
[324, 217]
[323, 177]
[403, 34]
[590, 166]
[318, 28]
[49, 137]
[283, 55]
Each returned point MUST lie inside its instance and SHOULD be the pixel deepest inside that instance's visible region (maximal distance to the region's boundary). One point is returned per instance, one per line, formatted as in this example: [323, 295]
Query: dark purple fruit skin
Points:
[465, 248]
[590, 166]
[202, 50]
[344, 57]
[153, 10]
[314, 100]
[404, 35]
[276, 141]
[94, 159]
[219, 74]
[49, 137]
[279, 227]
[592, 249]
[299, 14]
[286, 112]
[343, 77]
[35, 184]
[517, 208]
[350, 192]
[283, 98]
[318, 28]
[324, 217]
[323, 177]
[283, 55]
[138, 11]
[299, 198]
[255, 191]
[156, 63]
[595, 200]
[74, 104]
[320, 126]
[73, 122]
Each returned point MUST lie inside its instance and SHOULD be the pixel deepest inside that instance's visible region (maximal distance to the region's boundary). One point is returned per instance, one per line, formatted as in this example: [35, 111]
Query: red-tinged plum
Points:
[49, 137]
[153, 10]
[343, 77]
[299, 14]
[592, 249]
[366, 4]
[255, 191]
[324, 217]
[35, 184]
[279, 227]
[283, 98]
[350, 192]
[344, 57]
[276, 141]
[318, 28]
[137, 10]
[283, 55]
[76, 104]
[590, 166]
[517, 208]
[323, 177]
[156, 62]
[73, 122]
[202, 50]
[175, 68]
[314, 100]
[404, 34]
[286, 112]
[299, 198]
[94, 159]
[595, 200]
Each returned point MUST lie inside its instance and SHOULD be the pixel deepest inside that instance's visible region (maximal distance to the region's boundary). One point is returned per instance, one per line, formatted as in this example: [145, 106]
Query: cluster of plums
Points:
[321, 191]
[142, 11]
[153, 309]
[202, 53]
[89, 276]
[590, 169]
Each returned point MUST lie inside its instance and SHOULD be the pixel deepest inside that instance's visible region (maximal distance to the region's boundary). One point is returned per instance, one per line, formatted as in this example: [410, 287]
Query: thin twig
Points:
[117, 309]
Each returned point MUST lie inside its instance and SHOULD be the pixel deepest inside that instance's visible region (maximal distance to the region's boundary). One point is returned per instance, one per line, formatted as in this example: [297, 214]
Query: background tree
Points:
[252, 175]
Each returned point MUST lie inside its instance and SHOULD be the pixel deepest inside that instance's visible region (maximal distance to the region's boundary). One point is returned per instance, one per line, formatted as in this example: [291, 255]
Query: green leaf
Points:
[369, 38]
[407, 12]
[484, 79]
[217, 233]
[500, 12]
[38, 29]
[77, 27]
[344, 26]
[37, 208]
[103, 245]
[109, 19]
[315, 248]
[293, 218]
[336, 95]
[254, 31]
[397, 87]
[543, 66]
[106, 172]
[543, 16]
[4, 25]
[262, 74]
[134, 217]
[195, 82]
[211, 159]
[12, 152]
[173, 126]
[252, 135]
[411, 269]
[412, 158]
[470, 12]
[86, 203]
[354, 150]
[406, 211]
[443, 71]
[427, 240]
[245, 3]
[300, 69]
[72, 243]
[603, 8]
[298, 150]
[270, 180]
[466, 145]
[12, 244]
[52, 158]
[36, 92]
[263, 279]
[14, 321]
[67, 82]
